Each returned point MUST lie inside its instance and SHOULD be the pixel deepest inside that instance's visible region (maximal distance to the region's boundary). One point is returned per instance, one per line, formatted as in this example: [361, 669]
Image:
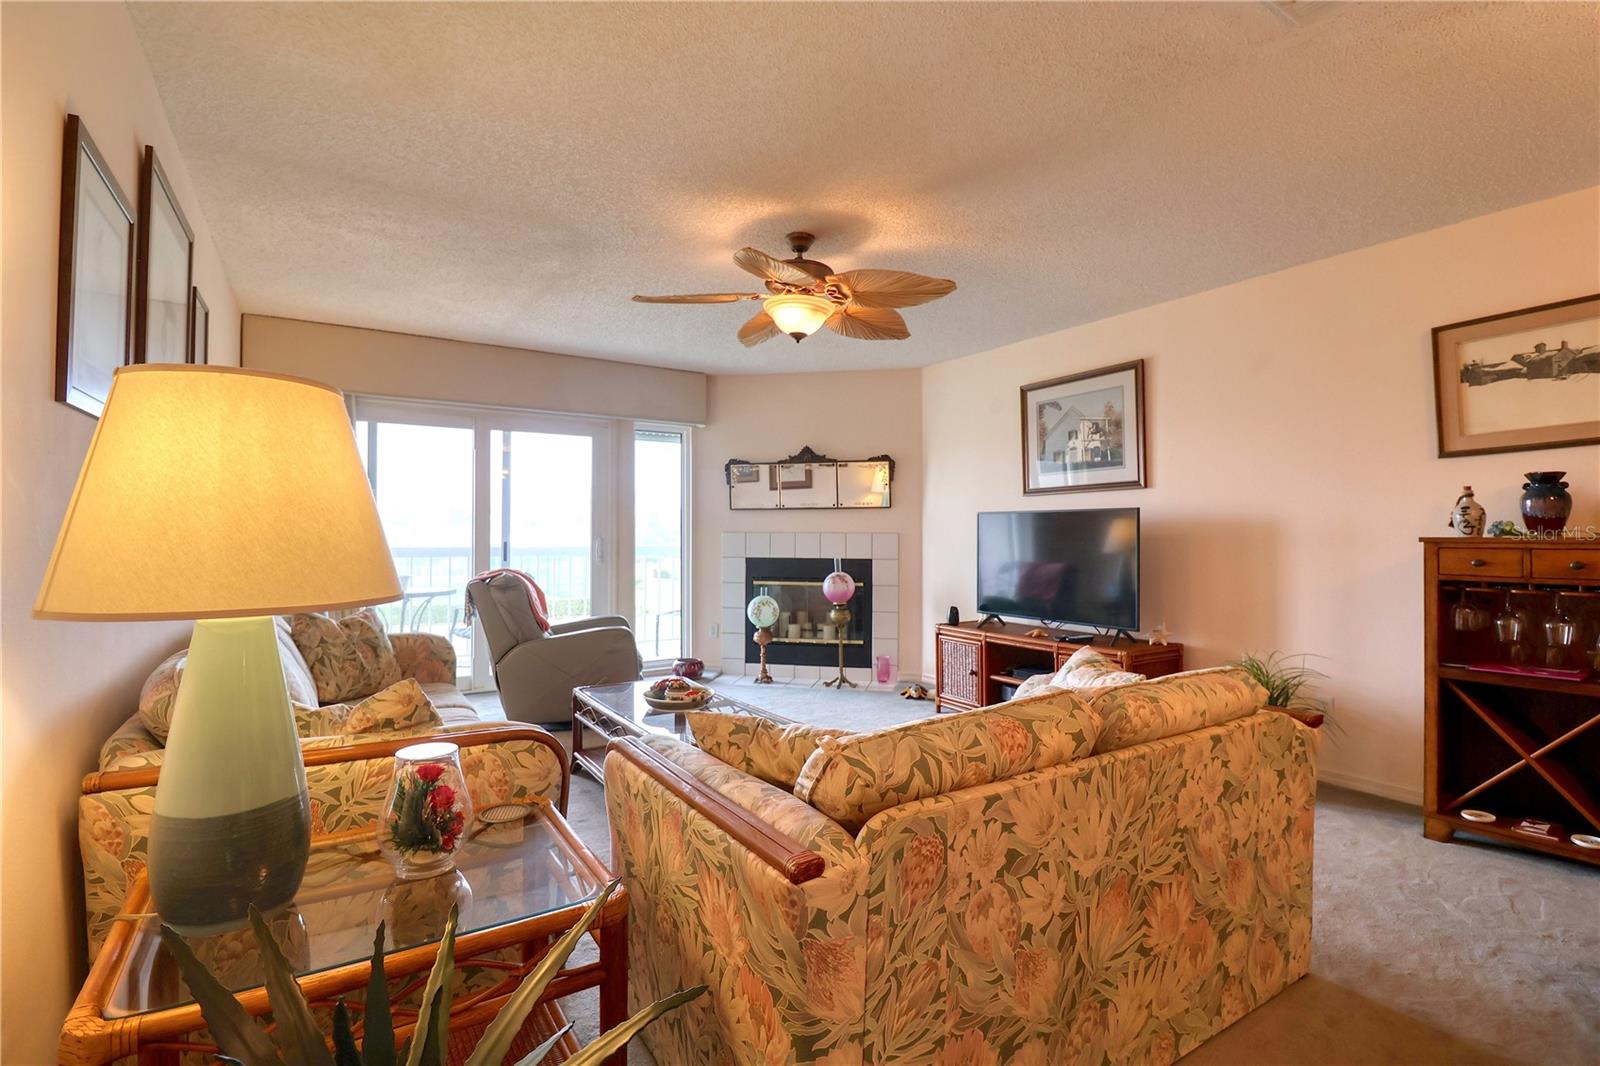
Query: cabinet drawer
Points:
[1567, 562]
[1483, 562]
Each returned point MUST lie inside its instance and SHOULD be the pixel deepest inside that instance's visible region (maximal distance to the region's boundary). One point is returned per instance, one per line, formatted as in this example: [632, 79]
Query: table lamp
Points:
[226, 496]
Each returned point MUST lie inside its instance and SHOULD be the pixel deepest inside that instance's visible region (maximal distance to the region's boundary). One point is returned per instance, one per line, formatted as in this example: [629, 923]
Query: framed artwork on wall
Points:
[1084, 431]
[199, 328]
[165, 270]
[95, 275]
[1519, 380]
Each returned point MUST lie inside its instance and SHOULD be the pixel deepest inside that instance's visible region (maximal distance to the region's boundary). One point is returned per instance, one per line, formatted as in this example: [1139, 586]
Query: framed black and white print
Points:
[164, 273]
[1084, 431]
[1519, 380]
[95, 275]
[199, 328]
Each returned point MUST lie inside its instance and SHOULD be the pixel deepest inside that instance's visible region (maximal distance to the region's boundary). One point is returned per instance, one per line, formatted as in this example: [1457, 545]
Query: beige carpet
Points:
[1424, 953]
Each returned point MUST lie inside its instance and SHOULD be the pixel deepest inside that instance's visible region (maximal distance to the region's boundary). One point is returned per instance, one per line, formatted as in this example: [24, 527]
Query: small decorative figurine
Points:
[1466, 518]
[1160, 634]
[914, 692]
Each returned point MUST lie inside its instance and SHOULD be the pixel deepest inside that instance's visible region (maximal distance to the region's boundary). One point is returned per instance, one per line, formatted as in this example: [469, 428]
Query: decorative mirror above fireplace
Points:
[807, 480]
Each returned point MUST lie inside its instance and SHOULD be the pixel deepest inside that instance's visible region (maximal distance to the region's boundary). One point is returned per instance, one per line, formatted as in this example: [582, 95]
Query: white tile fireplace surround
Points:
[882, 548]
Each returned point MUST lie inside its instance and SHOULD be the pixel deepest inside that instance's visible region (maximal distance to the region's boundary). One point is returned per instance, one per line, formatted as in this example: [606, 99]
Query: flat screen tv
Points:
[1061, 566]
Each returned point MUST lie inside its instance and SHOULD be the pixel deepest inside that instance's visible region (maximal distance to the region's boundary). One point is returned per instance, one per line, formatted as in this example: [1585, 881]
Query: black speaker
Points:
[955, 616]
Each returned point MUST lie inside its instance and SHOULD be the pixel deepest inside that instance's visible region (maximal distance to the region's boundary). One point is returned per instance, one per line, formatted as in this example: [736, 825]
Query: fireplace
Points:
[803, 635]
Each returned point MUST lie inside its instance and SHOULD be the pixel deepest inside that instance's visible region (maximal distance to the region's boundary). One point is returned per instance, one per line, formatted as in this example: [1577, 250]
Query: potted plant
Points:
[1287, 680]
[297, 1039]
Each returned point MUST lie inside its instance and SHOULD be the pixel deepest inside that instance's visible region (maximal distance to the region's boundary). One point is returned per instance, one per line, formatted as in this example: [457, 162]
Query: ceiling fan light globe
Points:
[798, 314]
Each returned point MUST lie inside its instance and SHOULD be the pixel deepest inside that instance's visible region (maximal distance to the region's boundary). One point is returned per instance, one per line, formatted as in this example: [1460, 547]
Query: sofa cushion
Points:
[1087, 668]
[453, 706]
[159, 693]
[1177, 703]
[852, 778]
[296, 674]
[760, 747]
[401, 706]
[349, 658]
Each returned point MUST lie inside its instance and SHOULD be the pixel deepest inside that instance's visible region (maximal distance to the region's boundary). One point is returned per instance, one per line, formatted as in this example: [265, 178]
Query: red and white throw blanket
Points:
[536, 600]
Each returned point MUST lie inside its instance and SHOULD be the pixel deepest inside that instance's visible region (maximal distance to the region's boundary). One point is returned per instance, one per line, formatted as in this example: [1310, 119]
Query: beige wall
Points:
[66, 685]
[1292, 461]
[376, 363]
[848, 416]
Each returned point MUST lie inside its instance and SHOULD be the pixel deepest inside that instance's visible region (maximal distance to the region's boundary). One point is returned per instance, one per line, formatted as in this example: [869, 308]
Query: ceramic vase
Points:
[1546, 504]
[1466, 518]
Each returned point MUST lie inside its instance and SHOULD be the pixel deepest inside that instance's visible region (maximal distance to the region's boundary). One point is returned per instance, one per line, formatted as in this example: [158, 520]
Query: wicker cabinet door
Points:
[958, 671]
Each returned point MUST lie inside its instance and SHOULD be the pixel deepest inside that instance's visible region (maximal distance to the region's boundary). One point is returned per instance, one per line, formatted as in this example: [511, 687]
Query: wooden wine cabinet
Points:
[1515, 745]
[973, 662]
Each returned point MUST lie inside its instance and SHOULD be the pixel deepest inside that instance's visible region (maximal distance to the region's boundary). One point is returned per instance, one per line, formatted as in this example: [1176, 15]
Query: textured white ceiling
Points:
[513, 173]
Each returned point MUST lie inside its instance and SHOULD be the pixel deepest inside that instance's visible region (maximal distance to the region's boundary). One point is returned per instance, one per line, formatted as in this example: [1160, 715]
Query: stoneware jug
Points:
[1466, 518]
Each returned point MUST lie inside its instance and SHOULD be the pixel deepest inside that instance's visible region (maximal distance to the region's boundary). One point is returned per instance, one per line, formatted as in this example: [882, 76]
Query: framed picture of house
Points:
[165, 270]
[199, 328]
[95, 275]
[1519, 380]
[1084, 431]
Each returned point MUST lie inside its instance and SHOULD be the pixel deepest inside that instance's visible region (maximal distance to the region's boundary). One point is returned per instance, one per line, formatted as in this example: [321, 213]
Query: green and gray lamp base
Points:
[232, 824]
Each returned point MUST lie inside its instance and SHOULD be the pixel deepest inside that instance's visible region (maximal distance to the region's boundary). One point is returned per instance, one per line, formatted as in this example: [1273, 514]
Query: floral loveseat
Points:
[1078, 877]
[348, 751]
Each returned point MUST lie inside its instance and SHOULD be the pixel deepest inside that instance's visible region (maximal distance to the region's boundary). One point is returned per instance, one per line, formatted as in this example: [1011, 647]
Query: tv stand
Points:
[972, 659]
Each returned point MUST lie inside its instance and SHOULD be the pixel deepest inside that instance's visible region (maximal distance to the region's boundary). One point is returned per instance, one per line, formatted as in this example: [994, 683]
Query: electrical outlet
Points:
[716, 630]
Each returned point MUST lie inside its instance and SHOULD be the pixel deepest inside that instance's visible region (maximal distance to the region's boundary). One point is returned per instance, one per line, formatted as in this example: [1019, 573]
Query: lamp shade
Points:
[214, 492]
[798, 314]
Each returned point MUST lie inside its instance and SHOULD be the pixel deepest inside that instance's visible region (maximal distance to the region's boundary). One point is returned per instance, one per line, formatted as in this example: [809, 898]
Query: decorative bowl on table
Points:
[676, 694]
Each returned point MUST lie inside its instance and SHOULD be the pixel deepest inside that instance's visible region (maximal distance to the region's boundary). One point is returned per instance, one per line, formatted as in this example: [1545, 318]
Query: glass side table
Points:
[519, 884]
[610, 711]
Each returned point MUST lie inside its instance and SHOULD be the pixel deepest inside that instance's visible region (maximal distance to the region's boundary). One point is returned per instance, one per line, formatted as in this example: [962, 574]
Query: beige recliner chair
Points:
[536, 671]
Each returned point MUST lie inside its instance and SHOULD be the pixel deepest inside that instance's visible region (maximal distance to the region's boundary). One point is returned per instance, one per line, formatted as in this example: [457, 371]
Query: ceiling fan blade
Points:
[701, 298]
[894, 288]
[868, 323]
[763, 265]
[758, 329]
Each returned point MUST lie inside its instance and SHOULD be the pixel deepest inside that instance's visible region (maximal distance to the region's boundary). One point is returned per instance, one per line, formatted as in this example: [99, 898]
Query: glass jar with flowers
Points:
[427, 812]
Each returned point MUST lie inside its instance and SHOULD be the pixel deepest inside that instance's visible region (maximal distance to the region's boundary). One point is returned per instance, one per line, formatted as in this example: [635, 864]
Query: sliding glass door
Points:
[464, 490]
[660, 513]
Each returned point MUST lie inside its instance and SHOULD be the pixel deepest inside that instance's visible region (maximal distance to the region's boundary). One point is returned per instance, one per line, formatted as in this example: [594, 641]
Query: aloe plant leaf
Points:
[612, 1039]
[377, 1040]
[536, 1056]
[345, 1051]
[297, 1031]
[443, 966]
[237, 1035]
[496, 1041]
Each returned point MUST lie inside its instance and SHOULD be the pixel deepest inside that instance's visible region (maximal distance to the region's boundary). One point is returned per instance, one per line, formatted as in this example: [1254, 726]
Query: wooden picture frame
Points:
[199, 328]
[1499, 387]
[164, 274]
[95, 275]
[1084, 432]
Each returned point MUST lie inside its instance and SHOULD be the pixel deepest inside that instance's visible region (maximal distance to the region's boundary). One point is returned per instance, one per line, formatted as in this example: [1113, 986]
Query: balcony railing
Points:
[434, 581]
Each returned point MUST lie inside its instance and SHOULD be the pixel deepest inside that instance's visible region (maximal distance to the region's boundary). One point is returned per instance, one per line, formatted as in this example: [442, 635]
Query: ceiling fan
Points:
[804, 295]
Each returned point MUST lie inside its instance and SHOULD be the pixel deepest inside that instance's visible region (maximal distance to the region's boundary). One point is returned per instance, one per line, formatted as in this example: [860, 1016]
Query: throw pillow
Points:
[296, 675]
[349, 659]
[1087, 668]
[855, 777]
[1177, 703]
[159, 693]
[757, 745]
[403, 705]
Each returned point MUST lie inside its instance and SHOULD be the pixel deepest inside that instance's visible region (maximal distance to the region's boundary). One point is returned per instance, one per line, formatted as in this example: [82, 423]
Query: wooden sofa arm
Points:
[778, 850]
[112, 780]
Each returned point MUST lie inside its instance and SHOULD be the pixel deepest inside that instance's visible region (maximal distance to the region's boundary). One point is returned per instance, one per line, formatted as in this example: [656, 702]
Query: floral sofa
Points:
[1089, 876]
[348, 751]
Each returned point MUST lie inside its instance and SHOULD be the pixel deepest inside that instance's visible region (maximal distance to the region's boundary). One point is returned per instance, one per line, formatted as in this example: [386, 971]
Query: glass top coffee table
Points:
[610, 711]
[518, 884]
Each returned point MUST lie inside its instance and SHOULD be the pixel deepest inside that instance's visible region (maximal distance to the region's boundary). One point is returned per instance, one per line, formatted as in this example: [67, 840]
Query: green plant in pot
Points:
[1288, 681]
[297, 1040]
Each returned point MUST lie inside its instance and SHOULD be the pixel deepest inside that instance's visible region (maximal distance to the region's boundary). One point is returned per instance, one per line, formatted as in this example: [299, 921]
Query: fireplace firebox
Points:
[803, 635]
